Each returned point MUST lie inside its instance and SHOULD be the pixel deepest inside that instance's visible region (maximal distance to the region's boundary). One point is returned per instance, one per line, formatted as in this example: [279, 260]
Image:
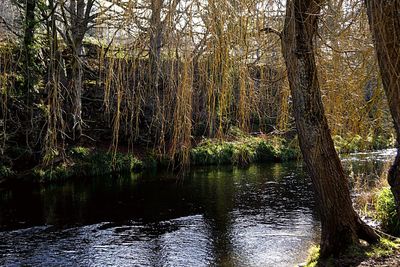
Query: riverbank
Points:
[236, 148]
[97, 160]
[392, 260]
[377, 205]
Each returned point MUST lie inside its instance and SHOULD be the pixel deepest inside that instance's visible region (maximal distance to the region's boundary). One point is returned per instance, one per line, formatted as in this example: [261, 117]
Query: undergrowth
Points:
[243, 150]
[357, 143]
[82, 161]
[386, 214]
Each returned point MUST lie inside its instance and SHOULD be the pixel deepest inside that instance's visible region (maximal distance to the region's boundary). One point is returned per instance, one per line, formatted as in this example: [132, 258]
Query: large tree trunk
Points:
[384, 20]
[341, 226]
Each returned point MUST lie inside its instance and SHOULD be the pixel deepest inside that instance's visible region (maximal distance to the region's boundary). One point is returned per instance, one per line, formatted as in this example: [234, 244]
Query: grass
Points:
[355, 254]
[313, 256]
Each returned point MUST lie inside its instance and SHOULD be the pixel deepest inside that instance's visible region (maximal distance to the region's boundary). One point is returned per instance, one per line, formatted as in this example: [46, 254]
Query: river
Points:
[264, 215]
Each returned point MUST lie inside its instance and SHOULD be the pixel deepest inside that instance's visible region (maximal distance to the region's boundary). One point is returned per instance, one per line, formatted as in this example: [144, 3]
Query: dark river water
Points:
[264, 215]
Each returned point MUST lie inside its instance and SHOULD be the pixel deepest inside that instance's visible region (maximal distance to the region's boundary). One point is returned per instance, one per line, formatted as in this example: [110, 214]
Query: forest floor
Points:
[386, 261]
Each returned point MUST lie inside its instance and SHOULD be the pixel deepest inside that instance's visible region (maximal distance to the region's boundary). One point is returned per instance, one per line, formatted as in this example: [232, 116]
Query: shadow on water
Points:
[260, 216]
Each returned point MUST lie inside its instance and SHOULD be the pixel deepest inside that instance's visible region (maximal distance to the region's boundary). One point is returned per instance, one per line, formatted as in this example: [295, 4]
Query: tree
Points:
[77, 18]
[384, 20]
[341, 226]
[156, 30]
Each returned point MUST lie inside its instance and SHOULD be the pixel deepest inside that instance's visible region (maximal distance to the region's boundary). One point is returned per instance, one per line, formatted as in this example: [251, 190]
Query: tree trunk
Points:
[28, 49]
[156, 35]
[384, 20]
[80, 16]
[77, 77]
[341, 226]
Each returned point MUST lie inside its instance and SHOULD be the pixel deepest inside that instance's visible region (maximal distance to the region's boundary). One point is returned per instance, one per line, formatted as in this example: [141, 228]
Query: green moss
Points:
[386, 211]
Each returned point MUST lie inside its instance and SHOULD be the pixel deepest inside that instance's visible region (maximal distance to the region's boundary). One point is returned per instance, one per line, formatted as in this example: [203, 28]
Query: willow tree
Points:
[384, 19]
[341, 226]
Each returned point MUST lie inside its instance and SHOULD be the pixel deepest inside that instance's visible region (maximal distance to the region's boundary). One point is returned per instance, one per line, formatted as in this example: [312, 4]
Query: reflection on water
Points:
[261, 216]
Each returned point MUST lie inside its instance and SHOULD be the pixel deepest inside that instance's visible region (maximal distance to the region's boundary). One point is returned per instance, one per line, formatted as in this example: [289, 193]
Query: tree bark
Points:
[341, 226]
[77, 77]
[384, 20]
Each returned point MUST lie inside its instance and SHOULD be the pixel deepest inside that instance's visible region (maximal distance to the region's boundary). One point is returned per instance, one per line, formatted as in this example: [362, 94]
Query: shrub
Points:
[265, 152]
[243, 151]
[386, 211]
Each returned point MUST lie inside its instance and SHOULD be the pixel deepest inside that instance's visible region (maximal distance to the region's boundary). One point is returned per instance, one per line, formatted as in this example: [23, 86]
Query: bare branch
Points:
[271, 30]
